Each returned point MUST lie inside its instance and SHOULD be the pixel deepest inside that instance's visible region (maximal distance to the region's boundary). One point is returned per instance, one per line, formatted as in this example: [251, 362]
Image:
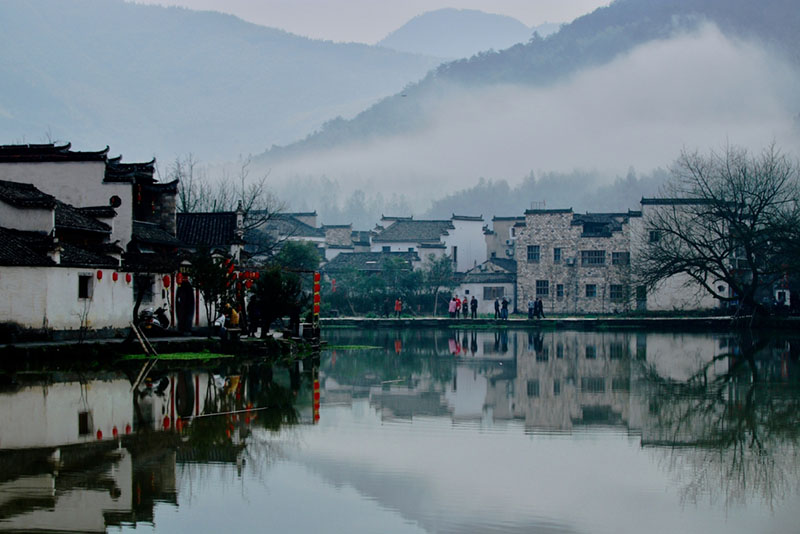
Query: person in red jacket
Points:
[398, 307]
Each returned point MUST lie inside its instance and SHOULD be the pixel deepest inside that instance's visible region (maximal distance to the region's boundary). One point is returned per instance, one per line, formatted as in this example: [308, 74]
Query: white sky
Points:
[369, 21]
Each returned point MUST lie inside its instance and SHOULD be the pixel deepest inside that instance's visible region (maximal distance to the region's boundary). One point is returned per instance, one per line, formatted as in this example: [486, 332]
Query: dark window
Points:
[455, 254]
[533, 253]
[387, 248]
[556, 387]
[556, 255]
[593, 384]
[84, 423]
[620, 384]
[591, 291]
[618, 351]
[655, 236]
[620, 258]
[617, 292]
[542, 288]
[533, 388]
[85, 286]
[591, 352]
[559, 291]
[411, 249]
[559, 351]
[492, 292]
[641, 293]
[593, 257]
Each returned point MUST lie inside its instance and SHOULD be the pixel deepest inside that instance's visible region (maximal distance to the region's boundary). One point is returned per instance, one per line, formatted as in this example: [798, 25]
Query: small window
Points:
[655, 236]
[85, 286]
[617, 292]
[559, 351]
[641, 293]
[493, 292]
[533, 253]
[84, 423]
[556, 255]
[387, 248]
[591, 291]
[593, 384]
[591, 352]
[411, 249]
[593, 257]
[542, 288]
[533, 388]
[559, 291]
[556, 387]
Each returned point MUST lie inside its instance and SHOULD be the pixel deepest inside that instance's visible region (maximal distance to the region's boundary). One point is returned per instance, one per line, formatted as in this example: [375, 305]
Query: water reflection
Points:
[720, 412]
[82, 452]
[428, 430]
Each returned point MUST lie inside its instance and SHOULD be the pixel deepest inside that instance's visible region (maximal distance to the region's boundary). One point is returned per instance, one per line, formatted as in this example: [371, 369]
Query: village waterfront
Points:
[491, 428]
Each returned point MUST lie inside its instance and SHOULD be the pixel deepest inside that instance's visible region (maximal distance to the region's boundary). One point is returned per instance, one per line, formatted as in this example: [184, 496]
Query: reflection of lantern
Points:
[249, 284]
[166, 280]
[128, 429]
[179, 278]
[99, 275]
[128, 277]
[166, 422]
[258, 275]
[115, 276]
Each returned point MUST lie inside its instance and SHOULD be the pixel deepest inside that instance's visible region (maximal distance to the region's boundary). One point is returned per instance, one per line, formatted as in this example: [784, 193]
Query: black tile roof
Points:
[134, 173]
[487, 278]
[27, 249]
[73, 256]
[71, 218]
[145, 232]
[286, 225]
[548, 212]
[207, 229]
[367, 261]
[47, 152]
[360, 237]
[467, 217]
[22, 195]
[102, 212]
[414, 231]
[503, 263]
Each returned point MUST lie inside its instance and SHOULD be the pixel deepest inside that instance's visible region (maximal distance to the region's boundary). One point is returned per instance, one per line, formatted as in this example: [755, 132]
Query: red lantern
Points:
[99, 434]
[99, 275]
[166, 280]
[128, 277]
[128, 429]
[258, 275]
[166, 422]
[115, 276]
[249, 284]
[114, 432]
[231, 268]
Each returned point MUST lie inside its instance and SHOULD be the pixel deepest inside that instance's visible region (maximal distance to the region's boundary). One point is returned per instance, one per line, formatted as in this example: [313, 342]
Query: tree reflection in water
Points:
[732, 435]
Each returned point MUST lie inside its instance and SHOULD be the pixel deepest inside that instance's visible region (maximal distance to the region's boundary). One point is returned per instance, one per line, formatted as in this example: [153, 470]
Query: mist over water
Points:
[699, 90]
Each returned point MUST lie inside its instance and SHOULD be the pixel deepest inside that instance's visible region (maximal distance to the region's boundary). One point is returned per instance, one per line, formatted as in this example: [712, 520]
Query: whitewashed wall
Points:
[469, 238]
[37, 297]
[80, 184]
[28, 220]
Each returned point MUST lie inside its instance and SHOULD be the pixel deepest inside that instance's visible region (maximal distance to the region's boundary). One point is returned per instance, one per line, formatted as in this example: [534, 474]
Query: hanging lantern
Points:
[249, 284]
[99, 434]
[166, 280]
[114, 432]
[128, 277]
[115, 276]
[258, 275]
[99, 275]
[128, 428]
[179, 279]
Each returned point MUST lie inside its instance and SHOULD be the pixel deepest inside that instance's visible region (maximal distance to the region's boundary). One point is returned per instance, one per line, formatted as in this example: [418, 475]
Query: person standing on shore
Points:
[496, 308]
[398, 307]
[474, 306]
[504, 310]
[531, 308]
[451, 308]
[465, 307]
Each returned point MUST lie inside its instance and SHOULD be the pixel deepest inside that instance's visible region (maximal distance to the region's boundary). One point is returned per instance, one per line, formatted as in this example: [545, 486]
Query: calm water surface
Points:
[418, 431]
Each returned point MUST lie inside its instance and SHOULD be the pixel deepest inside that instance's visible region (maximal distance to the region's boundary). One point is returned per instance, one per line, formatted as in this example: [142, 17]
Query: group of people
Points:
[463, 308]
[535, 308]
[501, 309]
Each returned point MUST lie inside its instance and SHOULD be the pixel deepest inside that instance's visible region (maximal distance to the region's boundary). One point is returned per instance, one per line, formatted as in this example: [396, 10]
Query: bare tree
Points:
[727, 222]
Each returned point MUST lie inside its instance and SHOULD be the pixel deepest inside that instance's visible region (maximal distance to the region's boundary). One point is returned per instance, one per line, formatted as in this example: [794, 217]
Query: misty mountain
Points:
[148, 79]
[460, 33]
[594, 41]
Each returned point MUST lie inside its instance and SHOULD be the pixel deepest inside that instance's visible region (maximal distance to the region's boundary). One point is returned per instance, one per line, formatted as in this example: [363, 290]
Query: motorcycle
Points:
[154, 322]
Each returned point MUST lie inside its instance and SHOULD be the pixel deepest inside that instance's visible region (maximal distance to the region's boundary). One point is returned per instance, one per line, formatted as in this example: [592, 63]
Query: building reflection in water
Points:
[80, 453]
[723, 407]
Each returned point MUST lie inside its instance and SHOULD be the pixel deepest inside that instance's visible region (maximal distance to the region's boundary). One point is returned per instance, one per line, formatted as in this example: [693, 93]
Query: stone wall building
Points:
[576, 263]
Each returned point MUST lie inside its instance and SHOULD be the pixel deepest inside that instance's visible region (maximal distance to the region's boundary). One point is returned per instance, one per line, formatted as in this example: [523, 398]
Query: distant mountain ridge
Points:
[460, 33]
[592, 40]
[148, 79]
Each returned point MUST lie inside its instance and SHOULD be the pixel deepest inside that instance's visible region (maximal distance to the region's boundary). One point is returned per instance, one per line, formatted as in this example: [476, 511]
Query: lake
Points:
[418, 431]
